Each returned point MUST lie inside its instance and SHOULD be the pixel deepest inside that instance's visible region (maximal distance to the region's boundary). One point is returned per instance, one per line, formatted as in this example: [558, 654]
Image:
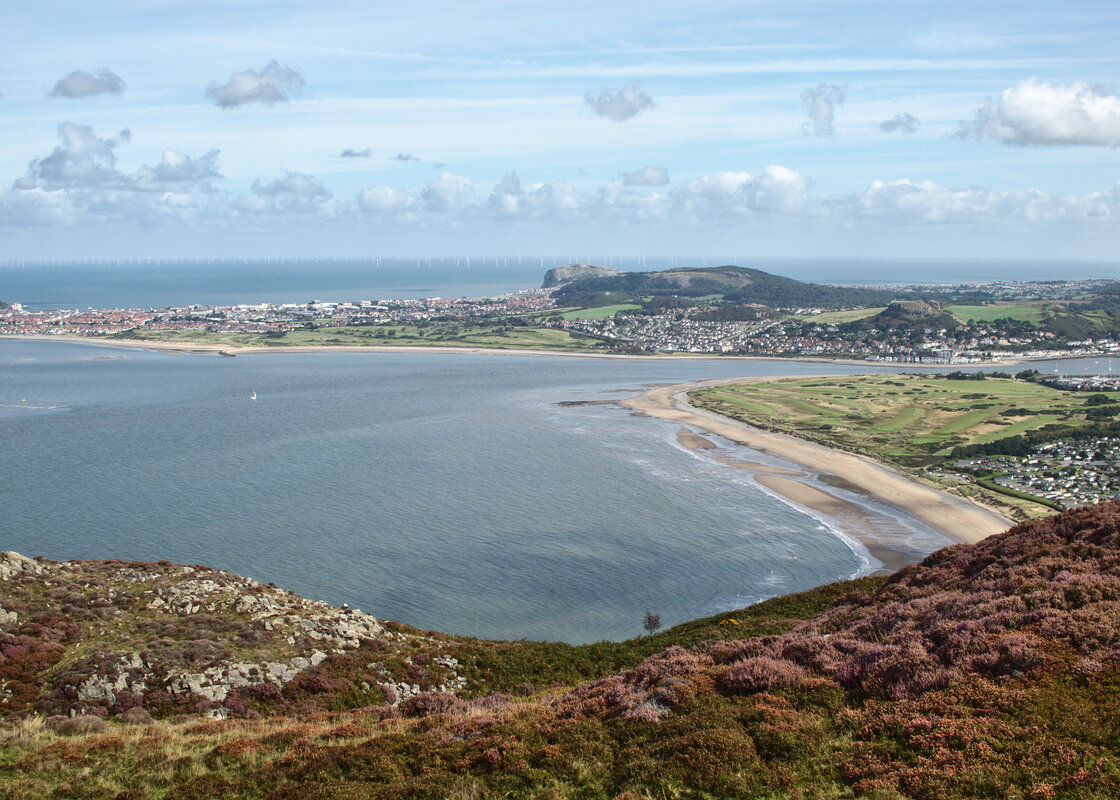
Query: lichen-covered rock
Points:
[14, 564]
[109, 635]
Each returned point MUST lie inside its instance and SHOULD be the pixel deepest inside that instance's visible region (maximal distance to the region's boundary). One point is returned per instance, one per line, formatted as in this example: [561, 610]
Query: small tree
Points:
[652, 622]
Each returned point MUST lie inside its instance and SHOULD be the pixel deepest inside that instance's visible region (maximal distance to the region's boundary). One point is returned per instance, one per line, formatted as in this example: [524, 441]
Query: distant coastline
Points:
[960, 519]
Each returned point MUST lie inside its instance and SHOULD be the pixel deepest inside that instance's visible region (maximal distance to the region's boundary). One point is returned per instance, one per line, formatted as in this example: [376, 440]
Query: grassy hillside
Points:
[989, 670]
[735, 285]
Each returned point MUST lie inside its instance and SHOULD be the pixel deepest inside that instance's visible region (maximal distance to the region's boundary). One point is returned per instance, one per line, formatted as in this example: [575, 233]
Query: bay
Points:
[448, 491]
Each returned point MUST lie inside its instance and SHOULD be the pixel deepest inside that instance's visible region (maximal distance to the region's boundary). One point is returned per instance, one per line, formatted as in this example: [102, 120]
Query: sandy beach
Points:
[956, 517]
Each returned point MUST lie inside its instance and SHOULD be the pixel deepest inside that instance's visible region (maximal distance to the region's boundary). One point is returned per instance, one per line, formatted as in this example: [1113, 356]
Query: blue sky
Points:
[877, 129]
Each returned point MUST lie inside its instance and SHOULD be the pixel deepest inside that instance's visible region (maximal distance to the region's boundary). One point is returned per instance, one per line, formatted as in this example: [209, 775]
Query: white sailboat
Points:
[253, 396]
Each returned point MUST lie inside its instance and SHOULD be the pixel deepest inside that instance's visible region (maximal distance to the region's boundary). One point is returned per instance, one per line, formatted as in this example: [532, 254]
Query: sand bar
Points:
[957, 517]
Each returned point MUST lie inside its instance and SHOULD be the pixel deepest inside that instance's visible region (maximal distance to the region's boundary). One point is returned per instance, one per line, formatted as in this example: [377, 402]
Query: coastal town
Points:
[1065, 473]
[796, 331]
[800, 336]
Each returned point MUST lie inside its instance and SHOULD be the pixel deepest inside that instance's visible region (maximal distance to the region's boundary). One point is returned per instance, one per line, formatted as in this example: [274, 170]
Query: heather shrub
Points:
[1016, 653]
[430, 703]
[264, 692]
[83, 723]
[587, 700]
[1006, 654]
[645, 711]
[126, 700]
[894, 670]
[760, 674]
[135, 716]
[1091, 629]
[1086, 667]
[729, 651]
[492, 702]
[960, 644]
[235, 705]
[667, 664]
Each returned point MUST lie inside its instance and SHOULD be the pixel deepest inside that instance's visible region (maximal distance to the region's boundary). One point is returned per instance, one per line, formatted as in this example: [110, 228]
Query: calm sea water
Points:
[447, 491]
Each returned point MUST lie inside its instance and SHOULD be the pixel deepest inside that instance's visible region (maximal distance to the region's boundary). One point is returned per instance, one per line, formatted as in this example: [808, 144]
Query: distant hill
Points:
[734, 285]
[907, 315]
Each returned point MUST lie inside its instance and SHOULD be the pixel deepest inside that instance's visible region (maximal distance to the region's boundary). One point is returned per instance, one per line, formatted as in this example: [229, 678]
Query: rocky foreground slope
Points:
[101, 637]
[988, 670]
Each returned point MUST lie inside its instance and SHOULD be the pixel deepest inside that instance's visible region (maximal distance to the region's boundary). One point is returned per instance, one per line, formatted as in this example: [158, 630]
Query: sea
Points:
[491, 495]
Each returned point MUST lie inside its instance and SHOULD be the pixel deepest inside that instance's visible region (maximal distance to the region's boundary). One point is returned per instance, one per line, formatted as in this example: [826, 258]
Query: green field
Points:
[1027, 312]
[911, 420]
[600, 312]
[433, 335]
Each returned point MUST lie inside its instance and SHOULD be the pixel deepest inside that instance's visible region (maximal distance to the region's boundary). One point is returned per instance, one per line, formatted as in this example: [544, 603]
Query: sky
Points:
[847, 128]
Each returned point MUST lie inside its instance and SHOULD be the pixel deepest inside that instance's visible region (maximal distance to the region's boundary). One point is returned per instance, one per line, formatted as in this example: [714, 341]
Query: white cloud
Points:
[777, 189]
[84, 160]
[384, 199]
[291, 193]
[82, 84]
[291, 183]
[448, 192]
[621, 105]
[348, 153]
[178, 172]
[925, 203]
[901, 123]
[541, 200]
[35, 208]
[1032, 112]
[405, 157]
[820, 102]
[270, 85]
[80, 180]
[646, 176]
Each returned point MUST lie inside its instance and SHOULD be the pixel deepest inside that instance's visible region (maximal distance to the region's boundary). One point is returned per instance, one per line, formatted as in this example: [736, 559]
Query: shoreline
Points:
[203, 348]
[957, 518]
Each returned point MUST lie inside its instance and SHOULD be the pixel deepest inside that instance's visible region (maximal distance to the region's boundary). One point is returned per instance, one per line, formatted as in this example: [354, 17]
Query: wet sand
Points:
[780, 481]
[956, 517]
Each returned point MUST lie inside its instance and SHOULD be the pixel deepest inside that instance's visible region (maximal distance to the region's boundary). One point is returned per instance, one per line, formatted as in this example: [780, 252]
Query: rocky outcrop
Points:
[114, 635]
[558, 276]
[12, 564]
